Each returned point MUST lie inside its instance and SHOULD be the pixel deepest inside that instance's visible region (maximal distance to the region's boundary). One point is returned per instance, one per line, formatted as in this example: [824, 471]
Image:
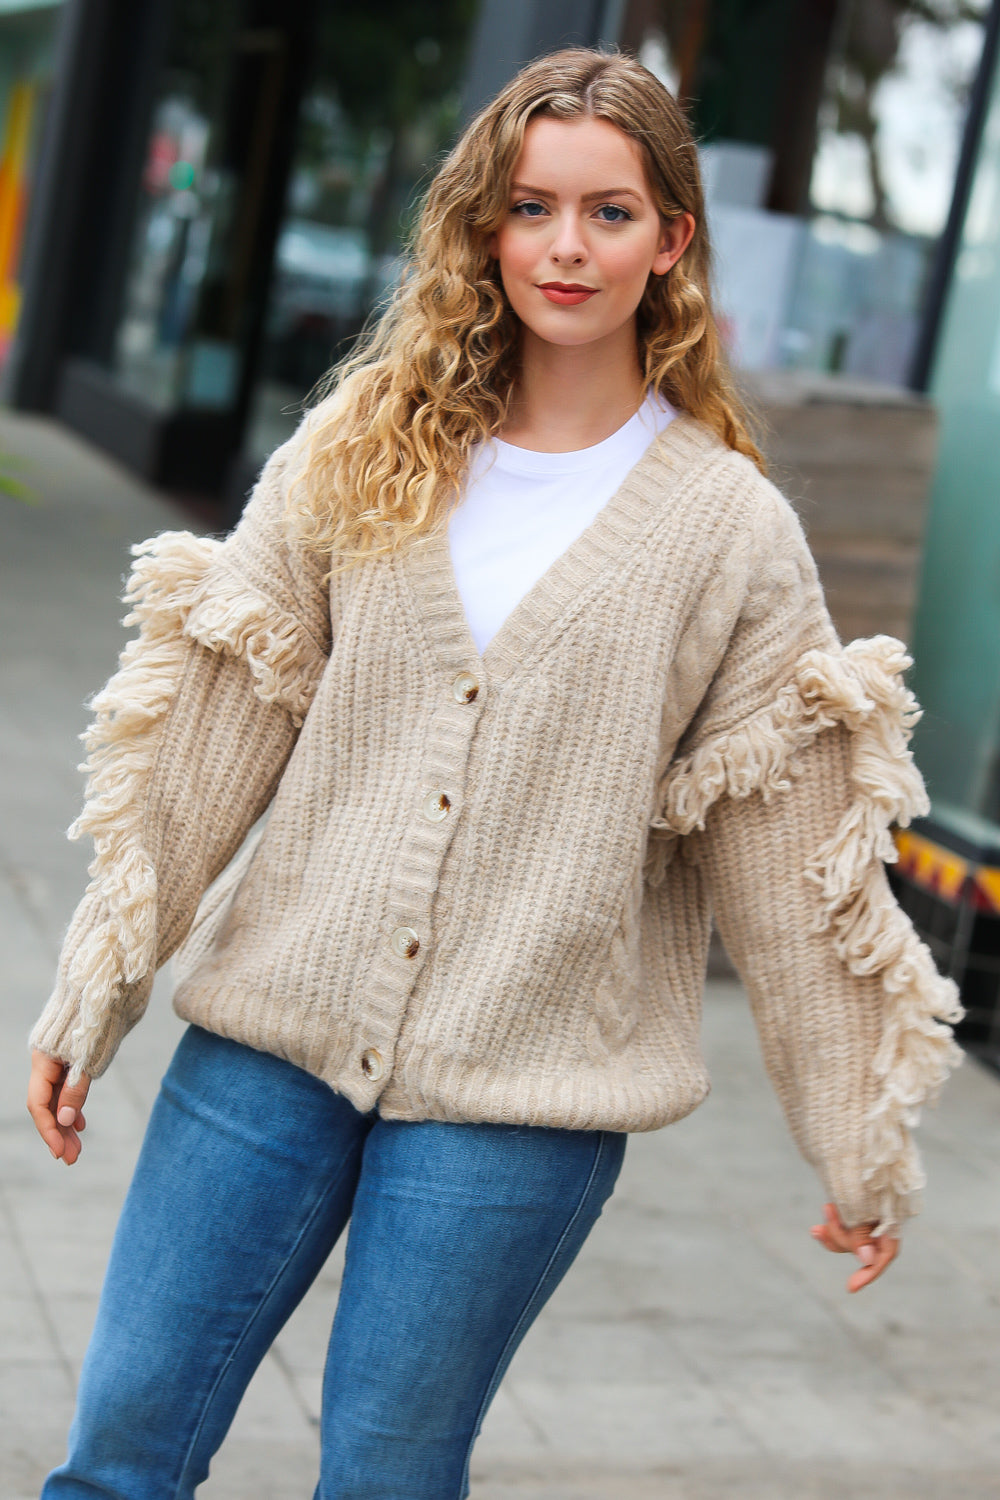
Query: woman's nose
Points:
[568, 244]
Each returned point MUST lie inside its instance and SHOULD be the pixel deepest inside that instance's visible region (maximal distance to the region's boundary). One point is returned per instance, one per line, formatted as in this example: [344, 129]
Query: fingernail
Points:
[66, 1115]
[866, 1254]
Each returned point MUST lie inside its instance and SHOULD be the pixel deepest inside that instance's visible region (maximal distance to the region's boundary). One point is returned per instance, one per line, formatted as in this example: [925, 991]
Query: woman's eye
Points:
[615, 214]
[528, 209]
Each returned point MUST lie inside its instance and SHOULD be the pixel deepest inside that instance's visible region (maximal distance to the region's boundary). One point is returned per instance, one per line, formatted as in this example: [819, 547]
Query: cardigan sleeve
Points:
[189, 740]
[784, 792]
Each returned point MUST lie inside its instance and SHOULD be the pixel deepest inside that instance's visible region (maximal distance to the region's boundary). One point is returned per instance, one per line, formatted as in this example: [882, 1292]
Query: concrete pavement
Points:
[702, 1347]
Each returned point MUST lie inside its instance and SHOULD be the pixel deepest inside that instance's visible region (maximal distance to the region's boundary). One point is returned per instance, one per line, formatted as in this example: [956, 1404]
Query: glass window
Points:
[381, 104]
[890, 131]
[958, 634]
[830, 135]
[181, 338]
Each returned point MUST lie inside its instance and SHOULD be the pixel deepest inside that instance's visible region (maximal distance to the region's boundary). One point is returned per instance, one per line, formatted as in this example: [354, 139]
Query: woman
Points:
[532, 666]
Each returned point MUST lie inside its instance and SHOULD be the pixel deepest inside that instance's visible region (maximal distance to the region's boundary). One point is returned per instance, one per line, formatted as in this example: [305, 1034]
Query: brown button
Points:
[465, 688]
[435, 806]
[372, 1065]
[405, 942]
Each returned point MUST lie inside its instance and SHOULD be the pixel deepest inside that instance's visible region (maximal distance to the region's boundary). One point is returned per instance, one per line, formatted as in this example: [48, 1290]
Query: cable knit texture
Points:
[485, 887]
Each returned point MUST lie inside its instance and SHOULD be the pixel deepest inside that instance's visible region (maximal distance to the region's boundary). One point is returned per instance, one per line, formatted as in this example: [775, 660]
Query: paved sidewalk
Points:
[702, 1347]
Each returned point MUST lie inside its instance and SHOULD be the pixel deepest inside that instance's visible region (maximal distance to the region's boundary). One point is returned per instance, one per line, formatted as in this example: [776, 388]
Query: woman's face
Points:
[582, 233]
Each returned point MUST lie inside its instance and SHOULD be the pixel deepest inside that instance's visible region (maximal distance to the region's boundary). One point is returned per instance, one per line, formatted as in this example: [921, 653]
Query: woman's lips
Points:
[566, 294]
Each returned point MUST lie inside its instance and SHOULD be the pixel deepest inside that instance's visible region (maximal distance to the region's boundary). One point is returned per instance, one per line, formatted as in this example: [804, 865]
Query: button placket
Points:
[406, 946]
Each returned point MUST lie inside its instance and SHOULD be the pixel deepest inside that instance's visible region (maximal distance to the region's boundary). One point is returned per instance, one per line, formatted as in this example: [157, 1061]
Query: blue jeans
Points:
[249, 1171]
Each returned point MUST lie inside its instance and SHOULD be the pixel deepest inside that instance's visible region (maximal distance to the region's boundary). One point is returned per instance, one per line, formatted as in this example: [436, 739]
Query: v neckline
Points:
[681, 448]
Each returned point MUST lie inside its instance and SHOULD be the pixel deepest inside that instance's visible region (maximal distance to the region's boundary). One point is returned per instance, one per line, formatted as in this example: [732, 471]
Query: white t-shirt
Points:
[521, 510]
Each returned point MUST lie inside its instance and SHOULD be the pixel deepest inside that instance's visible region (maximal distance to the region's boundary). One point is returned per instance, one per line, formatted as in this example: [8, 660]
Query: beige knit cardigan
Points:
[485, 887]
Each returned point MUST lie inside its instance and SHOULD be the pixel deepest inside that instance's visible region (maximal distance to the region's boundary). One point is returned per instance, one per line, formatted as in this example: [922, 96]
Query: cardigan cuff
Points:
[56, 1033]
[83, 1027]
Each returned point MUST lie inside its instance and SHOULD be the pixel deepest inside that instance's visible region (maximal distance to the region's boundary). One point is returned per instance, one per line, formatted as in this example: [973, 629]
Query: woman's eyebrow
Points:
[614, 192]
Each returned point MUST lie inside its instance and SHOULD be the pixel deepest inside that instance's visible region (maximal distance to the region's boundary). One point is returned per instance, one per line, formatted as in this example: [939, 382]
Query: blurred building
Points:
[219, 192]
[27, 35]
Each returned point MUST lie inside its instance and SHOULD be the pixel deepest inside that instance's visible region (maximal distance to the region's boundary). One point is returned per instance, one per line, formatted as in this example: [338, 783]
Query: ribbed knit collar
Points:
[670, 464]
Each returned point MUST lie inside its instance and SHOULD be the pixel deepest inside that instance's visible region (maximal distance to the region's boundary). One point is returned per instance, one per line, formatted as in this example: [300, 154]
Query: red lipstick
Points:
[567, 293]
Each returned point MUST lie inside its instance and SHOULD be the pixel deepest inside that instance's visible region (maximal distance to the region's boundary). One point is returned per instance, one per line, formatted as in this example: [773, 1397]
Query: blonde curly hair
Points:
[388, 442]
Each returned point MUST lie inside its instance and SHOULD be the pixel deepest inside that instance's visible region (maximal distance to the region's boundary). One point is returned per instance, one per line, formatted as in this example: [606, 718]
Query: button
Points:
[436, 806]
[465, 688]
[405, 942]
[372, 1065]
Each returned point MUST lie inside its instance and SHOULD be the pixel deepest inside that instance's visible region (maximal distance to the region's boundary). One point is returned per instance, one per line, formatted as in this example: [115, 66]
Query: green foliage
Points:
[10, 485]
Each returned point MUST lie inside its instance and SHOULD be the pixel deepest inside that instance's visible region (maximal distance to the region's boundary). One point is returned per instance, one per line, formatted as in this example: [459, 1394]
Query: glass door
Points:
[381, 103]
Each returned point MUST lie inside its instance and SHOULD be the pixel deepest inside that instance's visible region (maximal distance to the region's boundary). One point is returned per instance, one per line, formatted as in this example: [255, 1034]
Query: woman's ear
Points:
[677, 235]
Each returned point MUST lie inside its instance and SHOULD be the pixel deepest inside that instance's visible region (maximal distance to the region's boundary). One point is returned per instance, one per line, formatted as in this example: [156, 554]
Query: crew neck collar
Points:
[510, 458]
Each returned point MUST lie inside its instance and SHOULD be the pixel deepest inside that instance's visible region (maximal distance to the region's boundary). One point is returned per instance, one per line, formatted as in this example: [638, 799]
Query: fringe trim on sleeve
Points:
[860, 687]
[284, 661]
[166, 592]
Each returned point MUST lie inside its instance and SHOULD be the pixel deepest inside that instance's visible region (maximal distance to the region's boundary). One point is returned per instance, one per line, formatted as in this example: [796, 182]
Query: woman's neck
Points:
[569, 398]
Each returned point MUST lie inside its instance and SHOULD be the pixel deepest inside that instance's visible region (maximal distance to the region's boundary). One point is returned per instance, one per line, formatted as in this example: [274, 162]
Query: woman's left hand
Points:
[874, 1252]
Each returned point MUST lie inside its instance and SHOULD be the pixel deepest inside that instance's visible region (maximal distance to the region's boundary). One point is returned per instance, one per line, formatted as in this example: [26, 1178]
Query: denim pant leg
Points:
[459, 1235]
[244, 1182]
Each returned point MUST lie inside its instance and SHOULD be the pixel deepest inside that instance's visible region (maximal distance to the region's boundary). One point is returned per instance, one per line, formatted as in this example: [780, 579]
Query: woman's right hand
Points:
[56, 1107]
